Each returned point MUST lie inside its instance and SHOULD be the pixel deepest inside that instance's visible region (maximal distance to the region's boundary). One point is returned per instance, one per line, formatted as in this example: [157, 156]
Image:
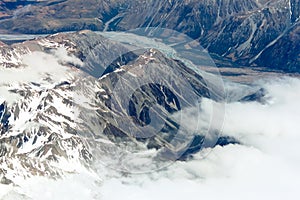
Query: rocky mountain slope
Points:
[239, 33]
[59, 111]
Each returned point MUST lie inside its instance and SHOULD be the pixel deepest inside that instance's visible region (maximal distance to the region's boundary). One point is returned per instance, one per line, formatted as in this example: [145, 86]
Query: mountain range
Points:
[56, 107]
[251, 33]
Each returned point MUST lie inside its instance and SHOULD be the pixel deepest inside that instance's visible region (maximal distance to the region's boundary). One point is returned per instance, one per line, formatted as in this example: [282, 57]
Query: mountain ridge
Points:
[61, 114]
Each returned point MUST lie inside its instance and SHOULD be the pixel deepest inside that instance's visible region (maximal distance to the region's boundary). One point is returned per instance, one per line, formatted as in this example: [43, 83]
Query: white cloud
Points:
[72, 187]
[39, 67]
[63, 56]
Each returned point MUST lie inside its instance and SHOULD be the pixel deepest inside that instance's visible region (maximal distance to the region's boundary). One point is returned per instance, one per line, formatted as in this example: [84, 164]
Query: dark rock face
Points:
[4, 118]
[257, 96]
[284, 54]
[197, 142]
[248, 33]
